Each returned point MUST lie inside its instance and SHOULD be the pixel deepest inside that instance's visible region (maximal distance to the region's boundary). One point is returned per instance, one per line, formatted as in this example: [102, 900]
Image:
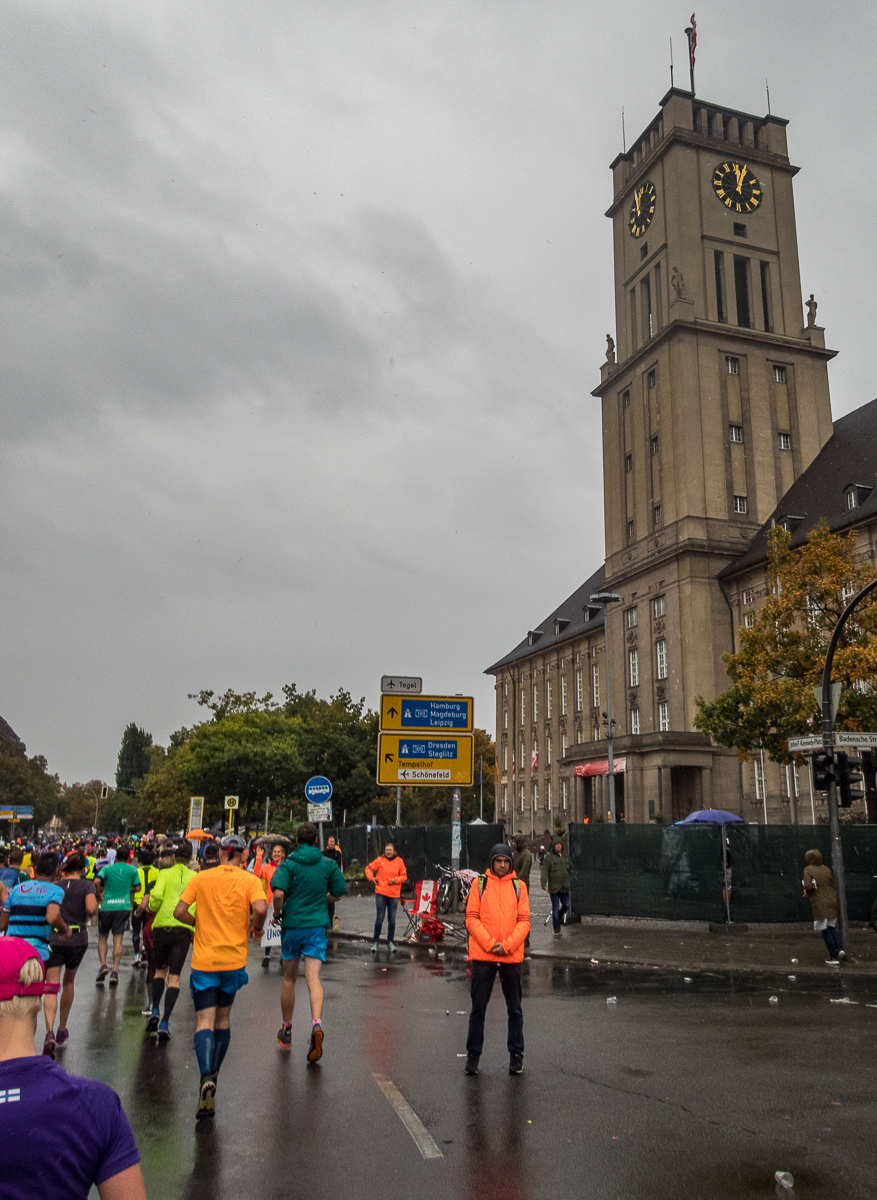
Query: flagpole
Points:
[691, 34]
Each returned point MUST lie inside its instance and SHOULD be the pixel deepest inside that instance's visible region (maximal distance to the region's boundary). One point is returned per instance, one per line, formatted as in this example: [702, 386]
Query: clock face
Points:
[642, 209]
[737, 187]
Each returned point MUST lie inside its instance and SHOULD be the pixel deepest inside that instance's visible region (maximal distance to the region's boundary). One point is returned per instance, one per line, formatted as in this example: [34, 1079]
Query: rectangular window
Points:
[741, 286]
[505, 718]
[732, 365]
[549, 697]
[739, 504]
[633, 664]
[645, 291]
[660, 606]
[628, 463]
[633, 340]
[735, 433]
[634, 720]
[739, 229]
[759, 778]
[563, 746]
[595, 685]
[625, 399]
[579, 691]
[658, 297]
[630, 531]
[563, 700]
[661, 658]
[535, 795]
[721, 310]
[664, 716]
[793, 784]
[505, 758]
[656, 516]
[847, 593]
[779, 374]
[523, 706]
[785, 441]
[521, 792]
[852, 498]
[748, 595]
[550, 801]
[766, 307]
[548, 751]
[630, 618]
[535, 702]
[749, 619]
[595, 734]
[564, 786]
[656, 445]
[652, 379]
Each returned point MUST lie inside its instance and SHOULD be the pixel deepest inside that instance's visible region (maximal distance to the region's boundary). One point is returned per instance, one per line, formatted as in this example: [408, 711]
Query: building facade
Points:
[715, 405]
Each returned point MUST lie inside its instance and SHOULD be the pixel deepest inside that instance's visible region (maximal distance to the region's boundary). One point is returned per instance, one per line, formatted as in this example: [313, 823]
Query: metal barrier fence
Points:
[421, 846]
[675, 871]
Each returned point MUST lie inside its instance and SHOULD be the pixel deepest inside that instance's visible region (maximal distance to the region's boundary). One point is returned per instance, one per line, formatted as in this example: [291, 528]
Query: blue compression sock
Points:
[221, 1037]
[204, 1050]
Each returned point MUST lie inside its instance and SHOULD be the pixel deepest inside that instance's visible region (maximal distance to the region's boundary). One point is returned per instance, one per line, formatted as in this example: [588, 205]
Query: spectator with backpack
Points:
[498, 921]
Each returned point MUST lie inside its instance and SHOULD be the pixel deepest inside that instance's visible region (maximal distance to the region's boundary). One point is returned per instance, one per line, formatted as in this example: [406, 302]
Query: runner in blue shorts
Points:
[303, 886]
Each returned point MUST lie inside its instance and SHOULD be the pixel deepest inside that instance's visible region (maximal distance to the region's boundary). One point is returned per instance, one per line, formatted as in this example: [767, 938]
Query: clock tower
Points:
[714, 400]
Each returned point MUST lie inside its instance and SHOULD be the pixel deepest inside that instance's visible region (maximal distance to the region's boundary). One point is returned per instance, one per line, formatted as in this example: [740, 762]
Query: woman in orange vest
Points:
[265, 871]
[388, 873]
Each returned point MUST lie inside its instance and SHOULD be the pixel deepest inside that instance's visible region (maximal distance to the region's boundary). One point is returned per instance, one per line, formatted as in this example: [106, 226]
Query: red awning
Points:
[602, 768]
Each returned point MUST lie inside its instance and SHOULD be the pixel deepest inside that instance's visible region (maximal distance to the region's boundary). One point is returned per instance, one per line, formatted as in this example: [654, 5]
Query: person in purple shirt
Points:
[60, 1134]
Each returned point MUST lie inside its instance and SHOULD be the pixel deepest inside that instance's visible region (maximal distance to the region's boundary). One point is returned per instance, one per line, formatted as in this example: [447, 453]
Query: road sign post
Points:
[196, 812]
[231, 804]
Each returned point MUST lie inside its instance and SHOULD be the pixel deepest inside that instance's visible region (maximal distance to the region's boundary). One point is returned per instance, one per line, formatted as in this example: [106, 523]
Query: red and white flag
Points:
[514, 774]
[692, 40]
[534, 759]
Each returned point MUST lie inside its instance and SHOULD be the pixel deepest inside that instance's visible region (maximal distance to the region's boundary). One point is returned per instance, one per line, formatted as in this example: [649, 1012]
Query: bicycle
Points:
[445, 891]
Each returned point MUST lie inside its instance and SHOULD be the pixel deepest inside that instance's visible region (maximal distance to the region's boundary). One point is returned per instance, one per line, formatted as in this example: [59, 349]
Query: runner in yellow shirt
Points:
[231, 906]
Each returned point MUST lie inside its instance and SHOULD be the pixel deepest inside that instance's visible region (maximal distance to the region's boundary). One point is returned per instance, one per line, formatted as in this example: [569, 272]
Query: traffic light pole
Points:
[837, 861]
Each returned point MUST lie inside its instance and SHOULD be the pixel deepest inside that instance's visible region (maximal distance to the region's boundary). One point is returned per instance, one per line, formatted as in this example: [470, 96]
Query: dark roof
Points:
[846, 460]
[573, 616]
[8, 734]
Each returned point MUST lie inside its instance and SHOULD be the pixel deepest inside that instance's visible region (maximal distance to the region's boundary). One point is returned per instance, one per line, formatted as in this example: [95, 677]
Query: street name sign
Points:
[410, 759]
[845, 739]
[411, 685]
[427, 713]
[799, 744]
[320, 812]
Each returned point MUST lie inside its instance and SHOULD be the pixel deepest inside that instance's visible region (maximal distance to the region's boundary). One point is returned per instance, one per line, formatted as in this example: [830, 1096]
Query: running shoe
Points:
[315, 1050]
[374, 948]
[102, 975]
[49, 1045]
[471, 1067]
[832, 962]
[152, 1023]
[62, 1036]
[266, 963]
[136, 962]
[164, 1033]
[114, 978]
[392, 947]
[516, 1064]
[206, 1098]
[841, 953]
[147, 1012]
[284, 1036]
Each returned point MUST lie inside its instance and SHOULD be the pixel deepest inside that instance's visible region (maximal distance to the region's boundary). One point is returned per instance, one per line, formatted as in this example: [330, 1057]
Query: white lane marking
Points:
[408, 1117]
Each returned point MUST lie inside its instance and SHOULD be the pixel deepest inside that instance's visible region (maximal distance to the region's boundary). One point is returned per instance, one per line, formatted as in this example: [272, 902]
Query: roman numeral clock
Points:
[736, 187]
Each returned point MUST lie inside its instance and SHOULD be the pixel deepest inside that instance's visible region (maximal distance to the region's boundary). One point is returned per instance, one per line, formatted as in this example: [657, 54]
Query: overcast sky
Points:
[302, 304]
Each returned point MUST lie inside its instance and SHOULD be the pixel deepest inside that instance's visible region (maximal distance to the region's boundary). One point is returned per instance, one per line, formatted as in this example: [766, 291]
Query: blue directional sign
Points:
[23, 811]
[318, 789]
[427, 713]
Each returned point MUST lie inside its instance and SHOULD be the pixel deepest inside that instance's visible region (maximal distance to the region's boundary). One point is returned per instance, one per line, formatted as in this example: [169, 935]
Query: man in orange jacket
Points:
[498, 920]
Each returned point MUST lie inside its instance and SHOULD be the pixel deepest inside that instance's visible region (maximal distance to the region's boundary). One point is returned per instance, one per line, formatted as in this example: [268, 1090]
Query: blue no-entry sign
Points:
[318, 789]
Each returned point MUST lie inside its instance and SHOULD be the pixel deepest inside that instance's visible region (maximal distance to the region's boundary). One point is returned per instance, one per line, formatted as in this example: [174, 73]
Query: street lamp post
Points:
[602, 600]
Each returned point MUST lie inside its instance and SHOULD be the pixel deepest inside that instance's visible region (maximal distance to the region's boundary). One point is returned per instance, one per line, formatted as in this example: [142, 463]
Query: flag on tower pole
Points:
[534, 759]
[691, 33]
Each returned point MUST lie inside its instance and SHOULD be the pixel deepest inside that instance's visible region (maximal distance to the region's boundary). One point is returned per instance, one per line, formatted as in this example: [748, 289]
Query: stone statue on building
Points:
[678, 283]
[610, 348]
[811, 307]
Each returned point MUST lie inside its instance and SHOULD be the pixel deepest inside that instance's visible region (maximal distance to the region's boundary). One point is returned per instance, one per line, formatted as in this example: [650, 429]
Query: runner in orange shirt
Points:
[230, 905]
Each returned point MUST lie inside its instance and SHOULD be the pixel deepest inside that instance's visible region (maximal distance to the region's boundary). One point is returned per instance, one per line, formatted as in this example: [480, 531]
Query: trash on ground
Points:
[687, 979]
[461, 1056]
[794, 960]
[785, 1179]
[612, 1000]
[461, 1012]
[595, 960]
[792, 978]
[774, 1000]
[844, 1000]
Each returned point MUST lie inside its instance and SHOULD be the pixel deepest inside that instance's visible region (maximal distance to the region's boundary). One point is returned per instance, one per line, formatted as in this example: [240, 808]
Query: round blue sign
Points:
[318, 789]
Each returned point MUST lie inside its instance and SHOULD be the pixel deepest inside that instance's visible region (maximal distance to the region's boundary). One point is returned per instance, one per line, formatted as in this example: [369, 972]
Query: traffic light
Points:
[823, 771]
[850, 780]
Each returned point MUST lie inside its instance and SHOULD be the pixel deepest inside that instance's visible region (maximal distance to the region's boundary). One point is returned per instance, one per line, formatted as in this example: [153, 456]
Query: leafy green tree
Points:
[26, 781]
[782, 655]
[81, 805]
[133, 760]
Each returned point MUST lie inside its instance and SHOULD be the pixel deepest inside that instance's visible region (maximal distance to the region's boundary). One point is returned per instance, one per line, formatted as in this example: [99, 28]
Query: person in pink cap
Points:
[60, 1133]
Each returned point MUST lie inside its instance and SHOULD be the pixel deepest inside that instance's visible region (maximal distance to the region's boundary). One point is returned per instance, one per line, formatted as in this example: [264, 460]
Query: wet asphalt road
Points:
[699, 1089]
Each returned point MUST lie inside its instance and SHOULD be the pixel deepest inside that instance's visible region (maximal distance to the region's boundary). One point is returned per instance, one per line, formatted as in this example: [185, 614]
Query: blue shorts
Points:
[308, 942]
[216, 989]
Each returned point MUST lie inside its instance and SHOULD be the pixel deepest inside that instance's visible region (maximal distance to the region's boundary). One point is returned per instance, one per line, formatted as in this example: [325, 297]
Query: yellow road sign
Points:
[456, 714]
[424, 759]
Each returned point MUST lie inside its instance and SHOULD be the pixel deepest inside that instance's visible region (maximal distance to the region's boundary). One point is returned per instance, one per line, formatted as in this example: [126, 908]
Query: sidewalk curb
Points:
[460, 948]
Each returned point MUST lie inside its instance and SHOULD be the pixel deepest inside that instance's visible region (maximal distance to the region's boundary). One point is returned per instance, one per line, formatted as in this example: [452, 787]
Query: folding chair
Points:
[423, 905]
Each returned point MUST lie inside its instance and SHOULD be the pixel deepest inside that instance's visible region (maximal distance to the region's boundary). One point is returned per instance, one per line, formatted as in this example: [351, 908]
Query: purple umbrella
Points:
[712, 816]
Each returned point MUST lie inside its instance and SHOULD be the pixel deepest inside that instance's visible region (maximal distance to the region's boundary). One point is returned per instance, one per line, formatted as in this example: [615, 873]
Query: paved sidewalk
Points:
[639, 942]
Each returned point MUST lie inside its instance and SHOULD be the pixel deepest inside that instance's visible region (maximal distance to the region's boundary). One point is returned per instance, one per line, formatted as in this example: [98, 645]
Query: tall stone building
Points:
[715, 401]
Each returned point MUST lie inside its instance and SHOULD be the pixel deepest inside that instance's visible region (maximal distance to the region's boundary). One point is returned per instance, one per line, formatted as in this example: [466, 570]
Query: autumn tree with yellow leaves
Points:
[782, 655]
